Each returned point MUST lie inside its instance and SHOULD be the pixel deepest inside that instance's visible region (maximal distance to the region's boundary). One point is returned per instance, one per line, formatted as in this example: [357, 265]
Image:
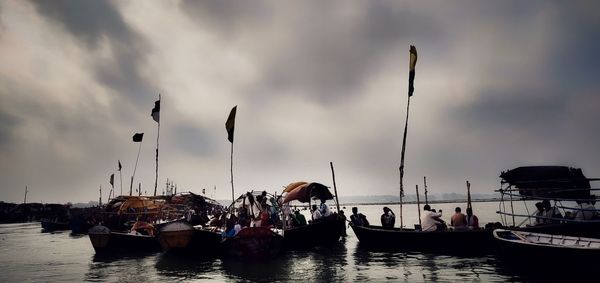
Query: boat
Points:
[106, 241]
[325, 231]
[50, 225]
[448, 241]
[254, 242]
[182, 237]
[257, 234]
[564, 189]
[542, 248]
[56, 217]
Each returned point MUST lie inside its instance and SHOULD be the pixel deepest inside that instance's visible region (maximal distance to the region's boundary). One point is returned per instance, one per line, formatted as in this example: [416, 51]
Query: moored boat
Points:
[254, 242]
[54, 225]
[104, 241]
[182, 237]
[456, 241]
[325, 231]
[540, 248]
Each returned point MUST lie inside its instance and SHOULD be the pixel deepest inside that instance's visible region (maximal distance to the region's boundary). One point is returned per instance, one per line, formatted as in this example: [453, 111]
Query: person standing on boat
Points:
[586, 211]
[300, 219]
[343, 222]
[458, 220]
[472, 220]
[539, 214]
[388, 219]
[358, 219]
[430, 220]
[316, 214]
[324, 209]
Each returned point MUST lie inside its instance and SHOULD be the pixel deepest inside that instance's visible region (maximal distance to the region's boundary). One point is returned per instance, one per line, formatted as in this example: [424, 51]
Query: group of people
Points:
[258, 212]
[321, 211]
[548, 214]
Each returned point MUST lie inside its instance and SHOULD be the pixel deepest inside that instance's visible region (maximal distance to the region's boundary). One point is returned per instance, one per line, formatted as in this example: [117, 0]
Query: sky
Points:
[499, 84]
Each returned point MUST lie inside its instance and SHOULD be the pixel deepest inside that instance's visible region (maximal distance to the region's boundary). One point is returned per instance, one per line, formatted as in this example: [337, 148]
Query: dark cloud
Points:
[326, 54]
[95, 22]
[194, 140]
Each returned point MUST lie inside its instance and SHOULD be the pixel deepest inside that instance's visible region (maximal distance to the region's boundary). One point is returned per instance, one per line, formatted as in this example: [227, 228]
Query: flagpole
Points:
[402, 159]
[121, 178]
[157, 136]
[411, 77]
[231, 170]
[135, 168]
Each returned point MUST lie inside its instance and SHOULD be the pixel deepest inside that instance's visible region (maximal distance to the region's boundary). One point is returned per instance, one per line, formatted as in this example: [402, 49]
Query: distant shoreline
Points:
[422, 202]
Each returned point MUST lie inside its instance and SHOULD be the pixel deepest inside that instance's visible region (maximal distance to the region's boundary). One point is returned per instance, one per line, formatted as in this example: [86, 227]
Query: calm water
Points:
[28, 255]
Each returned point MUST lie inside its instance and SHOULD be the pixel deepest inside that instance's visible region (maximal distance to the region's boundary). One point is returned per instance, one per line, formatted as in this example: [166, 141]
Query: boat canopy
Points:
[548, 182]
[304, 192]
[138, 203]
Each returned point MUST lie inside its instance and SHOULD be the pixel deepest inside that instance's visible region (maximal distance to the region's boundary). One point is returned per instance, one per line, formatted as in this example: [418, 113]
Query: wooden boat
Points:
[182, 237]
[106, 241]
[253, 242]
[543, 248]
[54, 225]
[322, 232]
[461, 241]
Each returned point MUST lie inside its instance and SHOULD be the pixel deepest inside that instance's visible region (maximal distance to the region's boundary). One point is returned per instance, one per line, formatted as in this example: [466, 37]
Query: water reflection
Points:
[177, 266]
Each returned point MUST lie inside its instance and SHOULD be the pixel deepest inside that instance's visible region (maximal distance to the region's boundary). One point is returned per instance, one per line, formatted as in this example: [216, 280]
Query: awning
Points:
[549, 181]
[304, 192]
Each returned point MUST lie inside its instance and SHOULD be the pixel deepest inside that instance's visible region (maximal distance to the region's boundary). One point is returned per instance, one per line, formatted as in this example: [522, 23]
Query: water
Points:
[27, 255]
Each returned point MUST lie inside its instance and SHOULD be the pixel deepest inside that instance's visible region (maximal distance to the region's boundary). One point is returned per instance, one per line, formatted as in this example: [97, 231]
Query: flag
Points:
[230, 124]
[120, 165]
[156, 111]
[112, 180]
[411, 74]
[138, 137]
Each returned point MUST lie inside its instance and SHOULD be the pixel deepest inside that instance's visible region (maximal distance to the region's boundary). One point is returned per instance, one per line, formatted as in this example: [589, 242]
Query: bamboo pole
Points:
[425, 183]
[337, 200]
[419, 206]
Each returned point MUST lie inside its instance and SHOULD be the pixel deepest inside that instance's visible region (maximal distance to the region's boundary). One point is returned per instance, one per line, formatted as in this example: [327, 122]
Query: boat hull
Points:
[105, 241]
[253, 242]
[184, 238]
[562, 251]
[325, 232]
[456, 241]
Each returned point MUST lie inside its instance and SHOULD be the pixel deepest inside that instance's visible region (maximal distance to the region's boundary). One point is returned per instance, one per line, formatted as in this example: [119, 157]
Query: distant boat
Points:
[50, 225]
[538, 247]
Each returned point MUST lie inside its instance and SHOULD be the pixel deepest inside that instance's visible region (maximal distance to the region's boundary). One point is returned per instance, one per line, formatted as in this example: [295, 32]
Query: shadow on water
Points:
[127, 267]
[325, 264]
[379, 264]
[187, 266]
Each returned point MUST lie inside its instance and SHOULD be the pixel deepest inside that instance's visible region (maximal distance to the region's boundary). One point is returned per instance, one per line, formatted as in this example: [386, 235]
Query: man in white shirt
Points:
[430, 219]
[324, 209]
[586, 211]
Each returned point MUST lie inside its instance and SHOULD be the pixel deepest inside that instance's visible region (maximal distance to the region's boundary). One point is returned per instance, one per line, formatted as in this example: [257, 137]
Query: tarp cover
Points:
[549, 181]
[303, 193]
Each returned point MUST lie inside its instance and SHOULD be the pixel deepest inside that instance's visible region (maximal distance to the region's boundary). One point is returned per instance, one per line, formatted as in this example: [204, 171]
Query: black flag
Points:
[230, 124]
[156, 111]
[411, 66]
[112, 180]
[120, 165]
[138, 137]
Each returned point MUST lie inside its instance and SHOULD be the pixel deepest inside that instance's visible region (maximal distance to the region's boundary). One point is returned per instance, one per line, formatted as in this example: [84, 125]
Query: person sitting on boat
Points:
[388, 219]
[586, 211]
[458, 220]
[472, 220]
[230, 228]
[551, 212]
[324, 209]
[300, 219]
[143, 228]
[430, 220]
[316, 213]
[539, 214]
[358, 219]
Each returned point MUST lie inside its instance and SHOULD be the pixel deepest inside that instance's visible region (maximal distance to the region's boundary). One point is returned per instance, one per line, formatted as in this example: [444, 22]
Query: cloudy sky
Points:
[498, 85]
